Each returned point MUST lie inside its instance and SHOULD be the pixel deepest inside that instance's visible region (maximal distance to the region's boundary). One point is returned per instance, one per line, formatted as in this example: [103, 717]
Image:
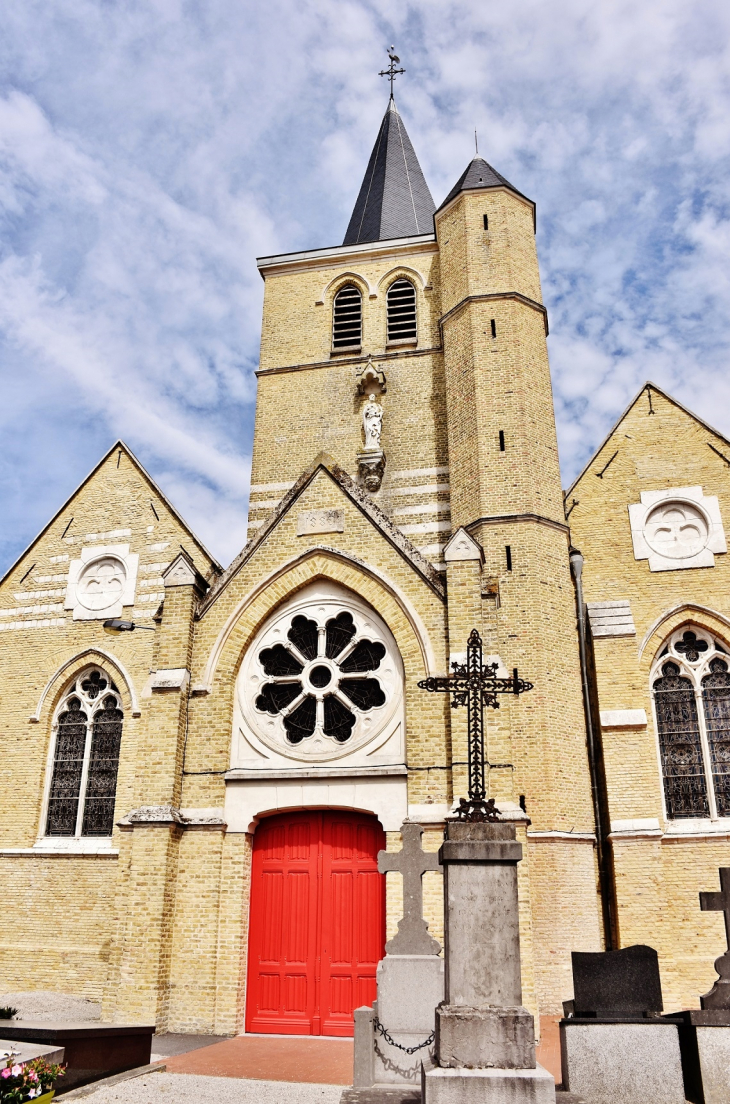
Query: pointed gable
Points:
[394, 199]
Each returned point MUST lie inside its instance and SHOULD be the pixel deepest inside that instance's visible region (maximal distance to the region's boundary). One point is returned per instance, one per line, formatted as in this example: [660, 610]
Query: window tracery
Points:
[322, 679]
[691, 688]
[88, 734]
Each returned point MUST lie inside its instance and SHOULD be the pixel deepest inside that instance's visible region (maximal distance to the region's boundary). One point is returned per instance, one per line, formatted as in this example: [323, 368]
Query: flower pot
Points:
[46, 1098]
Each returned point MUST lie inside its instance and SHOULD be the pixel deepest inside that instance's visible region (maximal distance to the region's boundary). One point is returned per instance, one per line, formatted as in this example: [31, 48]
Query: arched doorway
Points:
[317, 927]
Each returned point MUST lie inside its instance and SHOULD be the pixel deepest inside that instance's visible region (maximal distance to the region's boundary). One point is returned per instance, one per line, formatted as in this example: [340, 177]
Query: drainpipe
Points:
[604, 853]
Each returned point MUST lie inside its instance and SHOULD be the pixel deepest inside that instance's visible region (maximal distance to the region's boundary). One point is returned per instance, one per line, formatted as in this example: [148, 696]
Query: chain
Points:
[389, 1038]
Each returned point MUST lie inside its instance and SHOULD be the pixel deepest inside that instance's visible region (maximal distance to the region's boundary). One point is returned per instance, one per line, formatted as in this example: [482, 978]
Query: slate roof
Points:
[480, 174]
[394, 199]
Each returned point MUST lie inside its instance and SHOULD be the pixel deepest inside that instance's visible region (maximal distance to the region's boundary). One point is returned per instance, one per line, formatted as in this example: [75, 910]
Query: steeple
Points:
[479, 174]
[394, 199]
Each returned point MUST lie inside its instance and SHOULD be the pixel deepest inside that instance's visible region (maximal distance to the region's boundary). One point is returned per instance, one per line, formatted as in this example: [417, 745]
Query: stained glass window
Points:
[86, 759]
[691, 688]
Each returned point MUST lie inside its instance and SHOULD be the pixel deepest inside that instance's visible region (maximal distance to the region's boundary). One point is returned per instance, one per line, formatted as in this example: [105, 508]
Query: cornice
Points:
[537, 519]
[517, 295]
[283, 263]
[363, 359]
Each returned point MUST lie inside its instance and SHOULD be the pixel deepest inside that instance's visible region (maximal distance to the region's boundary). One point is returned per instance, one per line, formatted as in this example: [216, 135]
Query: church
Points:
[199, 763]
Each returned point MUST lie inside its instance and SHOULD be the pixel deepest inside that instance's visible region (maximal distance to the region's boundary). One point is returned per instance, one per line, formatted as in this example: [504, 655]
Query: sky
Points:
[149, 151]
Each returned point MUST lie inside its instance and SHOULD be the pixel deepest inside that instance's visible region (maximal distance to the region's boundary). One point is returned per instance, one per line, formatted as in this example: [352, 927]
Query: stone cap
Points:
[704, 1017]
[480, 851]
[51, 1031]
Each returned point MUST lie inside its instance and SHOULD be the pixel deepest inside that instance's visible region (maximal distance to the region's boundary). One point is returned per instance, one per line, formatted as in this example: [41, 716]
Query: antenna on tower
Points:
[476, 142]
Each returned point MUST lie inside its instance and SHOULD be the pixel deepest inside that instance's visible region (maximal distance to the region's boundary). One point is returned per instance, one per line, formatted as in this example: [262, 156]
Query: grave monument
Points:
[616, 1047]
[485, 1038]
[395, 1037]
[705, 1033]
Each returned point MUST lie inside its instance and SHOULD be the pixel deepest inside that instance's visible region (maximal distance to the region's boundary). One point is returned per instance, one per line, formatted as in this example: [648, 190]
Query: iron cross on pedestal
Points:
[475, 685]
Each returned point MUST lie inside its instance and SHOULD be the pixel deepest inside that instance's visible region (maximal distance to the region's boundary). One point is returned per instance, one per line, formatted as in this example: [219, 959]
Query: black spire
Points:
[394, 200]
[479, 174]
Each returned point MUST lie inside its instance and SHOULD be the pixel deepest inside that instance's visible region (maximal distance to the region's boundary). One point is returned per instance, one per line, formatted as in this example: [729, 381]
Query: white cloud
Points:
[149, 152]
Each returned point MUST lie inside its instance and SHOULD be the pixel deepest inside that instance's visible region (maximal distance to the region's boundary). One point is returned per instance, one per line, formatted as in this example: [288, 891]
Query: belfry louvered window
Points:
[691, 687]
[347, 318]
[402, 311]
[88, 735]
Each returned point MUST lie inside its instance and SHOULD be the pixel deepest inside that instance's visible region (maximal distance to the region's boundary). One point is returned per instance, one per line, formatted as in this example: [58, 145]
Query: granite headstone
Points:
[617, 984]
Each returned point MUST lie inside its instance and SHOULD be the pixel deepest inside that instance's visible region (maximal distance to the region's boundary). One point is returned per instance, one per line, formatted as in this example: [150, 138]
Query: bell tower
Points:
[506, 493]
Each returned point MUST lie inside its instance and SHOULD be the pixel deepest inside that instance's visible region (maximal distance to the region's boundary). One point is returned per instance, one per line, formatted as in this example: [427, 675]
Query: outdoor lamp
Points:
[115, 627]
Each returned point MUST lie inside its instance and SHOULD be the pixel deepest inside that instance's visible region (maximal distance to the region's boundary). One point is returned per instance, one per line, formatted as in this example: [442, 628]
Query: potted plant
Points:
[33, 1080]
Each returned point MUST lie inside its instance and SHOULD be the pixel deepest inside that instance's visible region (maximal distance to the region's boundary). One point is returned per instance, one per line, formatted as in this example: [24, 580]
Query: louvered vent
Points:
[402, 311]
[347, 320]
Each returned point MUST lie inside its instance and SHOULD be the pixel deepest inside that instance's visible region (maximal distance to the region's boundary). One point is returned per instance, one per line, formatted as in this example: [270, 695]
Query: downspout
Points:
[599, 795]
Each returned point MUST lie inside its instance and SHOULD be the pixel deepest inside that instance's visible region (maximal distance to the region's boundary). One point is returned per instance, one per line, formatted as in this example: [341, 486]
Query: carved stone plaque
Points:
[320, 521]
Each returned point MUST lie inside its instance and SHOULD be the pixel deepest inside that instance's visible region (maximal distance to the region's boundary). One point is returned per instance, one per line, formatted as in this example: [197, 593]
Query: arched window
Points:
[401, 300]
[88, 734]
[691, 687]
[347, 318]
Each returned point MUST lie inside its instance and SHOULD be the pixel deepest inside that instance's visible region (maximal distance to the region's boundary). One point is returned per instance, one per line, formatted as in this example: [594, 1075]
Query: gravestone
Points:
[485, 1038]
[616, 1048]
[395, 1037]
[614, 984]
[705, 1032]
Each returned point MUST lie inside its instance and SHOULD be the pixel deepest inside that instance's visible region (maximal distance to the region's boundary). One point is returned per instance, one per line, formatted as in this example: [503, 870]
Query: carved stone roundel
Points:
[676, 530]
[101, 583]
[323, 678]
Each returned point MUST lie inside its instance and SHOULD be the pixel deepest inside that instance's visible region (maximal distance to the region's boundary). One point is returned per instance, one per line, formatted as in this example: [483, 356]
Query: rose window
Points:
[323, 678]
[676, 530]
[102, 583]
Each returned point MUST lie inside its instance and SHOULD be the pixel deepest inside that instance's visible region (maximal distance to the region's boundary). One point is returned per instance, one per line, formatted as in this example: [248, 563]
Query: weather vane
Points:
[391, 71]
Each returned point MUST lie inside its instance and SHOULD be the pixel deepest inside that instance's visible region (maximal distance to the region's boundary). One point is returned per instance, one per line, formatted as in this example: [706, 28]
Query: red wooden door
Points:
[317, 928]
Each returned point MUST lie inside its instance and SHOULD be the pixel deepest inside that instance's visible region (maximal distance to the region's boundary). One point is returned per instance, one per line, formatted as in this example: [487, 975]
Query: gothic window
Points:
[88, 735]
[401, 309]
[322, 679]
[347, 318]
[691, 687]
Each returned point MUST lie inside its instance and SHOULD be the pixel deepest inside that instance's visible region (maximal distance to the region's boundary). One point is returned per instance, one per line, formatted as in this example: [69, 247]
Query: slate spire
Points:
[394, 199]
[479, 174]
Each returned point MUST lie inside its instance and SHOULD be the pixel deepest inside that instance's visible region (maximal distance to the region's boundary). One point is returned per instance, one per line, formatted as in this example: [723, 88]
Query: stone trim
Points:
[560, 837]
[611, 618]
[165, 815]
[93, 651]
[269, 774]
[623, 718]
[537, 519]
[173, 678]
[682, 607]
[493, 295]
[325, 258]
[359, 498]
[42, 853]
[364, 358]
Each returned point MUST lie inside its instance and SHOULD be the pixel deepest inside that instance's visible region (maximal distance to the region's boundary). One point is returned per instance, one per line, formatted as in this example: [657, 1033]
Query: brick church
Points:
[199, 764]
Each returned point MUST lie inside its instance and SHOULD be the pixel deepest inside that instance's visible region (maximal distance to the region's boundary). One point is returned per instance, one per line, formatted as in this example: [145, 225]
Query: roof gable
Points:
[118, 447]
[361, 499]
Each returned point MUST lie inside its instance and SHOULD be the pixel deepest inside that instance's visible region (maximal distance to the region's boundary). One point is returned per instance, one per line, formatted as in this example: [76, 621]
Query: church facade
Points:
[199, 764]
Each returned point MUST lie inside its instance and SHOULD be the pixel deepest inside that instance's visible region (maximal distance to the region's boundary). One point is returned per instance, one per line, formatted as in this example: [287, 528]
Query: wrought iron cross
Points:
[475, 685]
[391, 71]
[719, 995]
[719, 902]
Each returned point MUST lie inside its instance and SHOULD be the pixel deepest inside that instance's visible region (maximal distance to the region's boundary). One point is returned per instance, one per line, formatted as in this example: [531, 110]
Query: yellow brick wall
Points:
[658, 876]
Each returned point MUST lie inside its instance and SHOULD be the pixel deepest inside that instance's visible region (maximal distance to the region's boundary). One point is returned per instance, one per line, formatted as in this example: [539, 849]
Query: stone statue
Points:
[372, 423]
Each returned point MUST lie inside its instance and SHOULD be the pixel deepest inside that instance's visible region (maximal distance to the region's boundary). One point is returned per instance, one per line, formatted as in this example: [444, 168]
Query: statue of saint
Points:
[372, 423]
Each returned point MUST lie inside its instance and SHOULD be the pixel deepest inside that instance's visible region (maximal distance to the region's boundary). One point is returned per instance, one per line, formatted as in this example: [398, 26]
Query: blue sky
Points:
[150, 151]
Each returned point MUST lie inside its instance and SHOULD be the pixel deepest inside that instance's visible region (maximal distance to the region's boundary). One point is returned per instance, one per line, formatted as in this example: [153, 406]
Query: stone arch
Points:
[673, 618]
[376, 589]
[68, 670]
[330, 290]
[402, 272]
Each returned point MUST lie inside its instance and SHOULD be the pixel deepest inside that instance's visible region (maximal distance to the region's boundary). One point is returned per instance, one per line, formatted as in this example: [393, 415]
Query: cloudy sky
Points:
[149, 151]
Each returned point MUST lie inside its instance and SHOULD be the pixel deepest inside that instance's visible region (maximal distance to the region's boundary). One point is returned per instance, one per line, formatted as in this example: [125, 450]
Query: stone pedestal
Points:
[485, 1039]
[622, 1063]
[704, 1041]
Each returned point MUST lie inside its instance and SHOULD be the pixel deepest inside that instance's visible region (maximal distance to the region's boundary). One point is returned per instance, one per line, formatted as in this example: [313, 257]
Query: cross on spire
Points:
[391, 71]
[719, 995]
[412, 862]
[475, 684]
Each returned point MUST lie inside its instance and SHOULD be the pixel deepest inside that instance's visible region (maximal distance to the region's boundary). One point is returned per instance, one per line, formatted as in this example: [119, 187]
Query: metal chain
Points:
[389, 1038]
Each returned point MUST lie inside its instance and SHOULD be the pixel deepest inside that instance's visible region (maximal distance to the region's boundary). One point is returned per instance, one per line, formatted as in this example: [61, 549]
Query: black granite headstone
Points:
[615, 984]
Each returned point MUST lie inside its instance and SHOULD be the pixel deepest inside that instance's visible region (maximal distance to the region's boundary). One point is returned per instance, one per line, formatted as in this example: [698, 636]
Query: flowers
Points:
[21, 1081]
